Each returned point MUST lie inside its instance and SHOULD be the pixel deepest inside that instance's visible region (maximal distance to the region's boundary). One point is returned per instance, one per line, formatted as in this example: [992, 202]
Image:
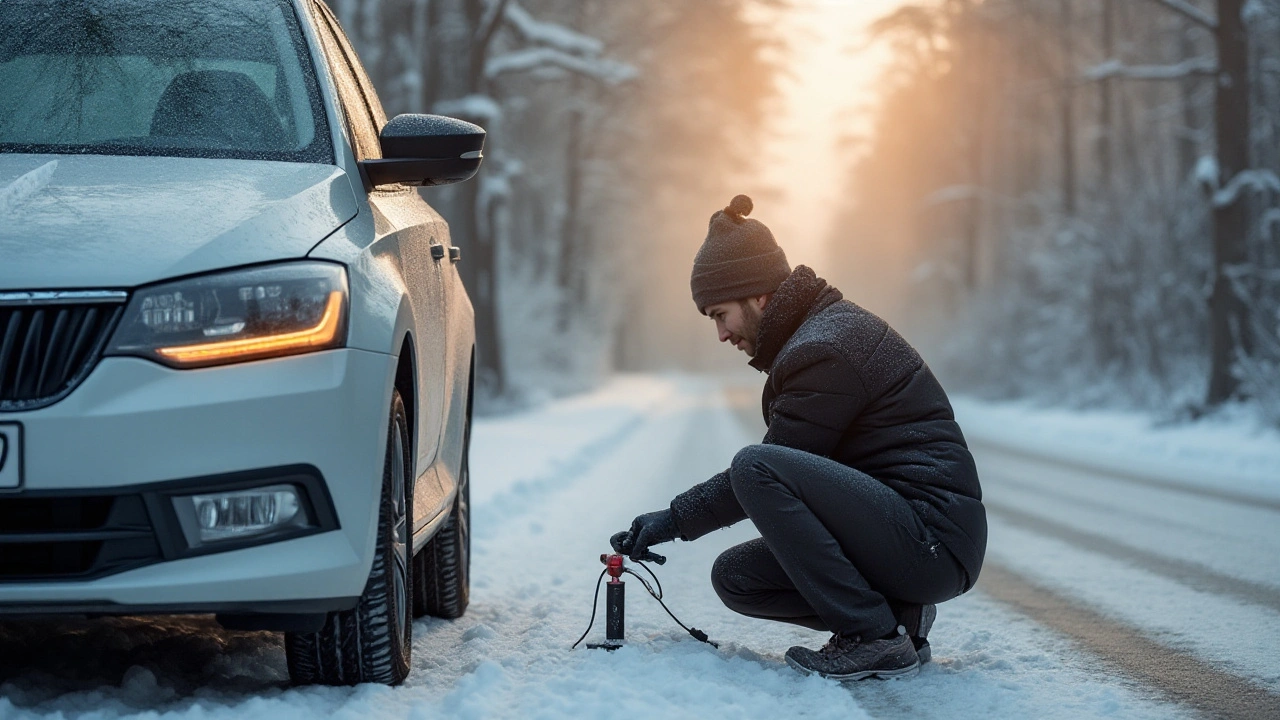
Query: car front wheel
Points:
[372, 641]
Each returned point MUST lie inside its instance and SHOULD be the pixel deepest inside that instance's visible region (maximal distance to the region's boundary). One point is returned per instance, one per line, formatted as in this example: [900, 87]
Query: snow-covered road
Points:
[1105, 597]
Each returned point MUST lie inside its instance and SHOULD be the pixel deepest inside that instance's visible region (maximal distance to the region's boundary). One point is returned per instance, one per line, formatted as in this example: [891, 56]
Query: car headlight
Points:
[237, 316]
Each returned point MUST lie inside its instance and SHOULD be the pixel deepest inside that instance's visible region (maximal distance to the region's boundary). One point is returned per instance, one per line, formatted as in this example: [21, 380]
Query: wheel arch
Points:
[406, 381]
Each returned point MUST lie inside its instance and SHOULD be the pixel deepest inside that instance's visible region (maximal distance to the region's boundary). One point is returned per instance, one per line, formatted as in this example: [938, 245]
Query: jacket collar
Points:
[801, 296]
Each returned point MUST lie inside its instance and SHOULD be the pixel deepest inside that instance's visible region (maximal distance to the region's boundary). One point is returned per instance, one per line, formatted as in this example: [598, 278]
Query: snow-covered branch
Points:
[549, 34]
[1256, 179]
[603, 69]
[1190, 12]
[480, 108]
[1256, 11]
[1177, 71]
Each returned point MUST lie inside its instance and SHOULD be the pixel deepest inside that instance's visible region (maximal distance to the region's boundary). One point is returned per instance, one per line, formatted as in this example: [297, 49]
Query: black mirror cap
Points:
[427, 150]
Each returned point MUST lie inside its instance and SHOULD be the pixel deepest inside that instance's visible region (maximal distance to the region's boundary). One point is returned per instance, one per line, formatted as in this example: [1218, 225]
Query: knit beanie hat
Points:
[739, 259]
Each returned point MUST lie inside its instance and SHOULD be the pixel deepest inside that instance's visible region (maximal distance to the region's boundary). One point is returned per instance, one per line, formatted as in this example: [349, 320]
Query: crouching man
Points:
[864, 492]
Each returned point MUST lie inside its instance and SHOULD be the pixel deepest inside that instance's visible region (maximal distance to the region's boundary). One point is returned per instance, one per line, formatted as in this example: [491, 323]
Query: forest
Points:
[611, 127]
[1080, 201]
[1076, 201]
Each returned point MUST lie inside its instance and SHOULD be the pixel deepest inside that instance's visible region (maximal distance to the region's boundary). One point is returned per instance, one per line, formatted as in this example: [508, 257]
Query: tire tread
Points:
[361, 645]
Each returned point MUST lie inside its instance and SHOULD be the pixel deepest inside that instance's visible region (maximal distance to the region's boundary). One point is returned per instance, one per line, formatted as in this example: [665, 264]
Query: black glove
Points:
[648, 529]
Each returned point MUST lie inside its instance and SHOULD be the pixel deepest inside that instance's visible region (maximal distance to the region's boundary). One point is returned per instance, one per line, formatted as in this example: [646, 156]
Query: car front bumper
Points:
[133, 424]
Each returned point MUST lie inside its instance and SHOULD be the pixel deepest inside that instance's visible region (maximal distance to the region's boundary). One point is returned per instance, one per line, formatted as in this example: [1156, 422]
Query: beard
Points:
[750, 325]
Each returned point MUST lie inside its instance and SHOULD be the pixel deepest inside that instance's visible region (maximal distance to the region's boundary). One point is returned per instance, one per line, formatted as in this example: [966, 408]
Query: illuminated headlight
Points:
[237, 316]
[211, 517]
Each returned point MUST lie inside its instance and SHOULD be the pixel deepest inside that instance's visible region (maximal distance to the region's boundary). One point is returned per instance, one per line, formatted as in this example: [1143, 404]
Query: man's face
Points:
[738, 322]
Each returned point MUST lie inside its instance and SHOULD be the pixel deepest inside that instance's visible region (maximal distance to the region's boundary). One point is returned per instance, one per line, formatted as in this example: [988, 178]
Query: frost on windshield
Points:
[213, 78]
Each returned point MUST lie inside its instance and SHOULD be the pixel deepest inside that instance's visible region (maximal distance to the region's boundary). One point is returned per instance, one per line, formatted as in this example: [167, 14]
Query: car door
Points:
[410, 234]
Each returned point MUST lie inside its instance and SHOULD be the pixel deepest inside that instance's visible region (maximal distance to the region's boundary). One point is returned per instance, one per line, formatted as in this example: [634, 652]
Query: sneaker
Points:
[922, 649]
[849, 658]
[917, 619]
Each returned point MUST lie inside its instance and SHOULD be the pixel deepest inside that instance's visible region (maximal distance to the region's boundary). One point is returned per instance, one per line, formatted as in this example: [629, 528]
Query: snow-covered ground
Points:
[1170, 530]
[1232, 451]
[550, 485]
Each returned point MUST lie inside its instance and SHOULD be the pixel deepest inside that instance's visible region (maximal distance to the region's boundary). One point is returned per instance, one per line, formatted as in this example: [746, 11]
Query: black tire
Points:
[371, 642]
[442, 569]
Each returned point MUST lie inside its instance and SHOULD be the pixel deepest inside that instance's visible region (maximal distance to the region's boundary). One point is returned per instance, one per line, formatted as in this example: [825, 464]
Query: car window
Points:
[361, 121]
[213, 78]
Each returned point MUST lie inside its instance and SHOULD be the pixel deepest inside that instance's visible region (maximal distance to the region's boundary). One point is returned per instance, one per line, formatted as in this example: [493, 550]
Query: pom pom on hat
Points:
[739, 207]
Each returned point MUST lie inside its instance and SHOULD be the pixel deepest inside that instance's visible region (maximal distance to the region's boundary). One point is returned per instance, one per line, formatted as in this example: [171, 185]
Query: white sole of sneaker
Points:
[907, 671]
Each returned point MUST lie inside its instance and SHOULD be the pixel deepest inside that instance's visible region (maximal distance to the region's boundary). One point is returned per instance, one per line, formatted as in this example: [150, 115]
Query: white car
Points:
[235, 353]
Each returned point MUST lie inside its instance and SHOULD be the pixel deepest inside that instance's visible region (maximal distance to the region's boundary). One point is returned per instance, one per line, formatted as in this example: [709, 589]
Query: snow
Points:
[1206, 171]
[1254, 11]
[608, 71]
[552, 46]
[1232, 451]
[550, 485]
[1208, 625]
[952, 193]
[1191, 12]
[13, 195]
[1117, 68]
[479, 107]
[550, 34]
[1256, 179]
[1167, 529]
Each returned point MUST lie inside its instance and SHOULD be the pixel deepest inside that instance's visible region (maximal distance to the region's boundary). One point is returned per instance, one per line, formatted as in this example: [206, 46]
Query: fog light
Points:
[211, 517]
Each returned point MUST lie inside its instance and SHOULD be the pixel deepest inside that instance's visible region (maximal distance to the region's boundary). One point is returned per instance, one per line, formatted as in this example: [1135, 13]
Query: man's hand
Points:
[648, 529]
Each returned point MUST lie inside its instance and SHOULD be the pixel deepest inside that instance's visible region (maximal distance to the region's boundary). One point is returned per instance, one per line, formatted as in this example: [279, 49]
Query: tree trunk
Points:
[569, 257]
[1189, 150]
[433, 56]
[1106, 95]
[1228, 314]
[476, 226]
[1068, 117]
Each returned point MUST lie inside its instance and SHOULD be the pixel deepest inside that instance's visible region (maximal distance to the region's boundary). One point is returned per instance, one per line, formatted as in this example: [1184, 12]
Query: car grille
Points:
[74, 538]
[50, 341]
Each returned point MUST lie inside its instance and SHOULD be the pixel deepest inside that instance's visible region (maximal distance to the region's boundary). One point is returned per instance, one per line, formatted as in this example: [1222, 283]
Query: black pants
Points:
[839, 550]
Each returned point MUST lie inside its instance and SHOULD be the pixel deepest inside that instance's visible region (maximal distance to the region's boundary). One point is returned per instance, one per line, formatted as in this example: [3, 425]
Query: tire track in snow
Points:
[1187, 573]
[1130, 477]
[1177, 675]
[524, 495]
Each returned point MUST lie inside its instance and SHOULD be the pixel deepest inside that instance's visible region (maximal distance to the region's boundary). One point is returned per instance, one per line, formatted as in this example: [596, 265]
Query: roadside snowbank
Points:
[1233, 453]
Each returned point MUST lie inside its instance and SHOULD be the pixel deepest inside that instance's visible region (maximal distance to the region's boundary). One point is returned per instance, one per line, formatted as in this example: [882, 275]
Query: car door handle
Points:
[437, 251]
[455, 254]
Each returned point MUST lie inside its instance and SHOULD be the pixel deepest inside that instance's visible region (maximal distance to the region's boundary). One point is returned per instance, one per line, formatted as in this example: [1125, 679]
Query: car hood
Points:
[97, 221]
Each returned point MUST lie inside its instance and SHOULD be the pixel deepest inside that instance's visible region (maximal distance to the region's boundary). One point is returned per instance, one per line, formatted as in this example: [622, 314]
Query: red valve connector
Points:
[613, 565]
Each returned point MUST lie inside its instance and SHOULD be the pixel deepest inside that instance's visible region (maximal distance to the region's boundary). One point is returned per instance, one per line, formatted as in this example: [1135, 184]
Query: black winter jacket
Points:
[842, 384]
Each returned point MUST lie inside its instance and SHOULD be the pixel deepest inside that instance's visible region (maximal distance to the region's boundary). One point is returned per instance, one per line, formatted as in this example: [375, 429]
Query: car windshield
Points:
[193, 78]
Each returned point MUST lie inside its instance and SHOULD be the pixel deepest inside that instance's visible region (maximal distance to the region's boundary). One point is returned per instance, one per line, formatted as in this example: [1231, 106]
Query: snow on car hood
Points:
[95, 221]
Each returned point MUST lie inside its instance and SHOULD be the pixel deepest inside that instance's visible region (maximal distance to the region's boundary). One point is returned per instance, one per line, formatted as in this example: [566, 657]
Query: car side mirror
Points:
[426, 150]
